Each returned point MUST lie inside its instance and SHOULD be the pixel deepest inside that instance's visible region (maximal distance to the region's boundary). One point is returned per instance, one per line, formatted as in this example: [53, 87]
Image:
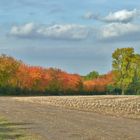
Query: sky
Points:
[76, 36]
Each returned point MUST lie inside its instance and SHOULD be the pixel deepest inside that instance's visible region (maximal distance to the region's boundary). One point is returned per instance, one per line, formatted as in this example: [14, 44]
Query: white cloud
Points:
[125, 31]
[116, 30]
[70, 31]
[67, 31]
[121, 16]
[24, 30]
[118, 25]
[90, 15]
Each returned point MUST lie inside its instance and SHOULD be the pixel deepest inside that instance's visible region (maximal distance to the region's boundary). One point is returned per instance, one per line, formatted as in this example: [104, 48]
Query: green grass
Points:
[15, 131]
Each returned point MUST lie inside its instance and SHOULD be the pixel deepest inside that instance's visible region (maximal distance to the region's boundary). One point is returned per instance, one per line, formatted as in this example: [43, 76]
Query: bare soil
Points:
[76, 118]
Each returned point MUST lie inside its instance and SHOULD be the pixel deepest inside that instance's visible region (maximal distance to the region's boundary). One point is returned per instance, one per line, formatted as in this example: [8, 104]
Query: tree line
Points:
[17, 78]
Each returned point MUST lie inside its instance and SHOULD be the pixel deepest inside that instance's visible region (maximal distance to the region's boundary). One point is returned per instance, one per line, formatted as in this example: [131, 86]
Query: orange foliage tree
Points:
[50, 81]
[100, 84]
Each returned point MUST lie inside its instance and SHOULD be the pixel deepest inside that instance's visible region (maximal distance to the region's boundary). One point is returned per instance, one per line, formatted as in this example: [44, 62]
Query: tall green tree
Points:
[135, 85]
[123, 66]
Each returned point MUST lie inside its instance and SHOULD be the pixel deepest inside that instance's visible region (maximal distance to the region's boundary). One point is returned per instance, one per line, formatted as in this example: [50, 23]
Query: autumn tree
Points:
[32, 78]
[8, 68]
[55, 81]
[99, 84]
[61, 82]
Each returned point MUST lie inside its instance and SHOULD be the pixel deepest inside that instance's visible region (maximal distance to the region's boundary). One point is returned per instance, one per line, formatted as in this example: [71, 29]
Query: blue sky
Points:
[77, 36]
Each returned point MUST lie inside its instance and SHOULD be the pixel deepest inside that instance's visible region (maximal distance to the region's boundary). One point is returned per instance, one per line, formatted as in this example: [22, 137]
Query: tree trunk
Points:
[123, 92]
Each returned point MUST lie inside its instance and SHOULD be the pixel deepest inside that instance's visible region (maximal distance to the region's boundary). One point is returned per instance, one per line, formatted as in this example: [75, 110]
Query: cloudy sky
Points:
[77, 36]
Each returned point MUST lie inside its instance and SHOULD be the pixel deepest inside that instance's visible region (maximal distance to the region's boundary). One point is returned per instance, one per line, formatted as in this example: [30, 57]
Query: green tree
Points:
[123, 65]
[92, 75]
[135, 85]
